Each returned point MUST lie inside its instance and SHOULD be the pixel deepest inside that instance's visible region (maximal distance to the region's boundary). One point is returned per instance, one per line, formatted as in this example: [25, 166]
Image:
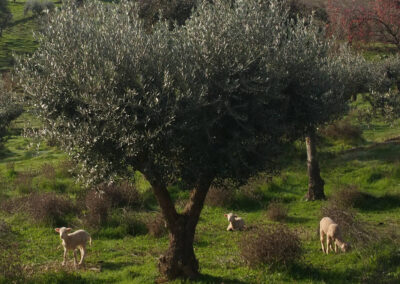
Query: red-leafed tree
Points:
[366, 20]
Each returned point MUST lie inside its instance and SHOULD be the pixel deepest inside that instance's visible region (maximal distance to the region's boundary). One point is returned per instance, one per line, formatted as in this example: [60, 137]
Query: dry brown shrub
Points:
[344, 130]
[275, 245]
[351, 226]
[50, 208]
[219, 196]
[48, 171]
[65, 168]
[156, 226]
[348, 196]
[23, 181]
[98, 208]
[277, 211]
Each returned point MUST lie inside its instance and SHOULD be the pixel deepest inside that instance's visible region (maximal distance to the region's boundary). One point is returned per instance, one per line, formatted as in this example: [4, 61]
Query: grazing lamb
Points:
[73, 241]
[235, 222]
[332, 231]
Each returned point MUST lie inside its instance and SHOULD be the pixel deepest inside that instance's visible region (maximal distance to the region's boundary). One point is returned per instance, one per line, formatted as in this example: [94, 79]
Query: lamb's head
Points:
[230, 217]
[63, 232]
[345, 247]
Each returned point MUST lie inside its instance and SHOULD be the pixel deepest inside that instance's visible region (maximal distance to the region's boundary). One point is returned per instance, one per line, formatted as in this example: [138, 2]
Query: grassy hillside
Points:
[35, 175]
[125, 252]
[18, 38]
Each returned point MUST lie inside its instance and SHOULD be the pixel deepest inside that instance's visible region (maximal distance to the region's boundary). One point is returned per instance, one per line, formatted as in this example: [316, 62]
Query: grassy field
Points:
[125, 251]
[119, 255]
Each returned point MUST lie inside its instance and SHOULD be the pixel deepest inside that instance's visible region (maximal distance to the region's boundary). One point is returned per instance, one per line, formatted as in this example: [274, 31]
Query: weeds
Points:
[275, 245]
[277, 211]
[156, 226]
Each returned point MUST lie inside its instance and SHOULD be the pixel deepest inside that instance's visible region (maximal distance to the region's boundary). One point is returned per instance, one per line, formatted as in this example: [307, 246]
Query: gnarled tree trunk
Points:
[315, 182]
[179, 260]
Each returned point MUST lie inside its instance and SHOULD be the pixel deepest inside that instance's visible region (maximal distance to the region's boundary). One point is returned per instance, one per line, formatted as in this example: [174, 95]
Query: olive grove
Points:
[216, 98]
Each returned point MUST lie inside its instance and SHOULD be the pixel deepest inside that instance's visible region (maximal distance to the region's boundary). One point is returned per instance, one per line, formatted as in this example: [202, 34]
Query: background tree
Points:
[5, 15]
[9, 108]
[367, 20]
[210, 100]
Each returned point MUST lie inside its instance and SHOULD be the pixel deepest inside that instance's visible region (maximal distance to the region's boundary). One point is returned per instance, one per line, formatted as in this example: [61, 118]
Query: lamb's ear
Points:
[57, 230]
[226, 215]
[68, 229]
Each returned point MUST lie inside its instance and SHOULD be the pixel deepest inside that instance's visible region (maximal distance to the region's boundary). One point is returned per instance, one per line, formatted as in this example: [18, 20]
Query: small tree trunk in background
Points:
[315, 182]
[179, 260]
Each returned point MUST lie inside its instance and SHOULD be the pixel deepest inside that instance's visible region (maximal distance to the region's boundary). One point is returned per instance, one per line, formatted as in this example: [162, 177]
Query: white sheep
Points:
[333, 236]
[235, 222]
[73, 241]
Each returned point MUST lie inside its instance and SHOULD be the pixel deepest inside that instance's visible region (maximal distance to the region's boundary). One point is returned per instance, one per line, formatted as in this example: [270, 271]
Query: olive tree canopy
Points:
[215, 98]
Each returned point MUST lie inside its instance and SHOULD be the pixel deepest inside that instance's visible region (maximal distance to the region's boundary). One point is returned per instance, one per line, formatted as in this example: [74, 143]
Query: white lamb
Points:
[73, 241]
[333, 236]
[235, 222]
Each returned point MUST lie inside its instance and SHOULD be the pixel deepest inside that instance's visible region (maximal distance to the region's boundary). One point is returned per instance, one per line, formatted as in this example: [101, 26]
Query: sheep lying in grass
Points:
[73, 241]
[235, 222]
[329, 228]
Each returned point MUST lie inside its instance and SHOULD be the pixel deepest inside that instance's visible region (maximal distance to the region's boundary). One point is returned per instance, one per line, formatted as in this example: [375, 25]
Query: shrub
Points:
[23, 181]
[50, 208]
[348, 196]
[98, 208]
[120, 195]
[156, 226]
[277, 211]
[219, 196]
[350, 225]
[38, 7]
[275, 245]
[48, 171]
[343, 130]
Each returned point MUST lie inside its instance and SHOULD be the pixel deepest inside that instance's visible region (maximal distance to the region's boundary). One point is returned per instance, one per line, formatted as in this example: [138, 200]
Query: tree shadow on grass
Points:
[369, 202]
[115, 265]
[303, 271]
[296, 220]
[206, 278]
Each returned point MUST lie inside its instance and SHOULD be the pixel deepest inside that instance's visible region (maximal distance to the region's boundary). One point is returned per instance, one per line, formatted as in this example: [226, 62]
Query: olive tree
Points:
[385, 88]
[208, 100]
[9, 108]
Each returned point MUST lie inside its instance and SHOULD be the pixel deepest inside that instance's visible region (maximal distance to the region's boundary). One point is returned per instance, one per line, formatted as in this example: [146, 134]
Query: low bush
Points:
[275, 245]
[219, 196]
[23, 181]
[48, 208]
[101, 200]
[343, 130]
[348, 196]
[353, 228]
[98, 208]
[277, 211]
[156, 226]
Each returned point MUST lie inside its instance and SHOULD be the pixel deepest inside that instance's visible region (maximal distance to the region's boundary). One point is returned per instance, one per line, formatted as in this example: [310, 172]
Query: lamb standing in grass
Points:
[329, 228]
[73, 241]
[235, 222]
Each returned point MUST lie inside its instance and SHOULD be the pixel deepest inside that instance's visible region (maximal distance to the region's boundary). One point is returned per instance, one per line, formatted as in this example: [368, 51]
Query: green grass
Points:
[117, 257]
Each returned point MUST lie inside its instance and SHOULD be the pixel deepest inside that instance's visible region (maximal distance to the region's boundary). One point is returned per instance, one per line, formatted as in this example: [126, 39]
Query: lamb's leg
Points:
[83, 254]
[336, 247]
[75, 260]
[321, 237]
[328, 243]
[230, 227]
[65, 257]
